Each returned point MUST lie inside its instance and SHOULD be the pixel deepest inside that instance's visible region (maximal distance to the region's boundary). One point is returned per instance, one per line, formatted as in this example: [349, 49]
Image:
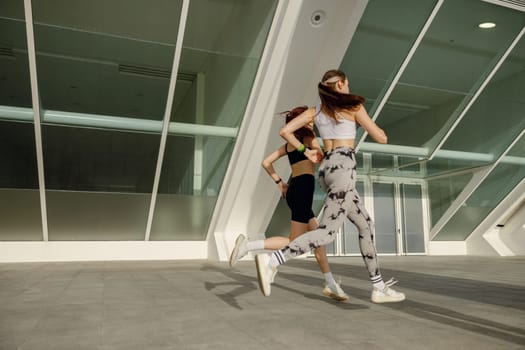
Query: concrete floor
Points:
[452, 303]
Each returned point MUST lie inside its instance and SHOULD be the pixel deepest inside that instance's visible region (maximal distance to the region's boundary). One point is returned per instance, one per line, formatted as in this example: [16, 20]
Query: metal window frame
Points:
[35, 97]
[403, 66]
[478, 92]
[167, 115]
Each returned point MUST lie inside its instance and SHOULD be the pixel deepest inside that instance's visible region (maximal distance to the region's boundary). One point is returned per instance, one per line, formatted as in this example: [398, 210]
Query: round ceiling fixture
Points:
[487, 25]
[317, 18]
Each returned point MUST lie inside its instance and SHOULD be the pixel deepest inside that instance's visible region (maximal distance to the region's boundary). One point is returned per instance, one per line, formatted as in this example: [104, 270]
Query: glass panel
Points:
[110, 62]
[481, 137]
[485, 198]
[15, 88]
[187, 195]
[107, 182]
[108, 58]
[443, 191]
[445, 71]
[350, 234]
[20, 215]
[409, 166]
[385, 217]
[382, 161]
[503, 96]
[444, 167]
[222, 46]
[392, 27]
[412, 215]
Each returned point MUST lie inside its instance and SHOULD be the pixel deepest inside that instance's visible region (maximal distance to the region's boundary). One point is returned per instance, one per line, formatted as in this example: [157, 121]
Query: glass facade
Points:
[452, 108]
[222, 62]
[20, 212]
[103, 72]
[83, 63]
[441, 106]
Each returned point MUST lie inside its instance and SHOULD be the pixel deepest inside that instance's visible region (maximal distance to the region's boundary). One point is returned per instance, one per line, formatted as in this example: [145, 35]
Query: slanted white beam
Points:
[36, 113]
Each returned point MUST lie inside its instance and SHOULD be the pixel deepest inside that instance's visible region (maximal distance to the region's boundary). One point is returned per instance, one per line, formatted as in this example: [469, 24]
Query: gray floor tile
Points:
[452, 302]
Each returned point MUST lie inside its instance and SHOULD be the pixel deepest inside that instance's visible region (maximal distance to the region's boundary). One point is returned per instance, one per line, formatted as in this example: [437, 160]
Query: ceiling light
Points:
[487, 25]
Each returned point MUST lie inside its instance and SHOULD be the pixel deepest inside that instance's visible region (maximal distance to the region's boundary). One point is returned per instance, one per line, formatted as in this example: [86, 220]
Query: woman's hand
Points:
[283, 187]
[313, 155]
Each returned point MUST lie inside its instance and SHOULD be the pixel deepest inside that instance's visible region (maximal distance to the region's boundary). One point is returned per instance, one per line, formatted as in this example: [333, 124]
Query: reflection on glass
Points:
[223, 42]
[101, 59]
[20, 216]
[446, 70]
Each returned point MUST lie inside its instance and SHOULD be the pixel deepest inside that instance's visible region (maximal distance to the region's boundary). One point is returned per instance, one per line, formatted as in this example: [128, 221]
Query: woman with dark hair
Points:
[336, 119]
[299, 197]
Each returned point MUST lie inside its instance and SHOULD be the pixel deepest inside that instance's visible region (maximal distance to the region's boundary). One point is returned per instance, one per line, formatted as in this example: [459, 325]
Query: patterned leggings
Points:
[337, 176]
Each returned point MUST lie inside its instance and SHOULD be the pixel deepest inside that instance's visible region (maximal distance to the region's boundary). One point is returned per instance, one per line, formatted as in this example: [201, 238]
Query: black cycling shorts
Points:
[299, 197]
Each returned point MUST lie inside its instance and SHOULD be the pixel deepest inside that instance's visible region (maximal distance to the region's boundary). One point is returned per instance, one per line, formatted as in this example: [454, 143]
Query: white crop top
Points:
[330, 130]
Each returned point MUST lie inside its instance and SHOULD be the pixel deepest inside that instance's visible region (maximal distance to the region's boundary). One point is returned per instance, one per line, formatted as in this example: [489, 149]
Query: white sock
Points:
[377, 282]
[329, 279]
[255, 245]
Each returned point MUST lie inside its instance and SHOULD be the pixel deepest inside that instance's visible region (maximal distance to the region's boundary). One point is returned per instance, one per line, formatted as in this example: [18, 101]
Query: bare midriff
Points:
[303, 167]
[330, 144]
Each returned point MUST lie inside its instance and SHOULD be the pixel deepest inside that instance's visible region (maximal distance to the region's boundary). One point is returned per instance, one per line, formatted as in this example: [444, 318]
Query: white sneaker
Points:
[239, 250]
[387, 295]
[335, 292]
[265, 273]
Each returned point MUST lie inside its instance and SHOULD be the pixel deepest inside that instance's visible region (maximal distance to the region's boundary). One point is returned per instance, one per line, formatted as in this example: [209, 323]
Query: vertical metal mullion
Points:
[403, 66]
[425, 202]
[35, 96]
[198, 152]
[167, 114]
[398, 214]
[478, 92]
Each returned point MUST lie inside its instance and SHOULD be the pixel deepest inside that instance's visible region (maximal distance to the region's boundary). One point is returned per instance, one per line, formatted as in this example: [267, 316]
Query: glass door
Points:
[398, 213]
[413, 232]
[386, 224]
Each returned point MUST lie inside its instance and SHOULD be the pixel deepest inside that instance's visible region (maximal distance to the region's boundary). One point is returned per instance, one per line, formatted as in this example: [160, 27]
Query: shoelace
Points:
[391, 282]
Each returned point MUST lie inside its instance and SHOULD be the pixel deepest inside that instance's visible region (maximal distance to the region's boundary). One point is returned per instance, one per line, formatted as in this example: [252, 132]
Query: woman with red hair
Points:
[299, 197]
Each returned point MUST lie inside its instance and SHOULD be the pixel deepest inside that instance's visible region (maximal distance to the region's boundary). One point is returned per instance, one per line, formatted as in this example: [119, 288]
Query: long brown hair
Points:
[332, 100]
[303, 132]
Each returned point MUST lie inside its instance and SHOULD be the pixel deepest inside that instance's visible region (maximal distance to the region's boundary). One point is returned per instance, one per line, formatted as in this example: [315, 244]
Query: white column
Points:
[31, 53]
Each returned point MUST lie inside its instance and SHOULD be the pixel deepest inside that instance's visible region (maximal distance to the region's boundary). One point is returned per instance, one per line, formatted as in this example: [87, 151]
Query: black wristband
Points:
[278, 181]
